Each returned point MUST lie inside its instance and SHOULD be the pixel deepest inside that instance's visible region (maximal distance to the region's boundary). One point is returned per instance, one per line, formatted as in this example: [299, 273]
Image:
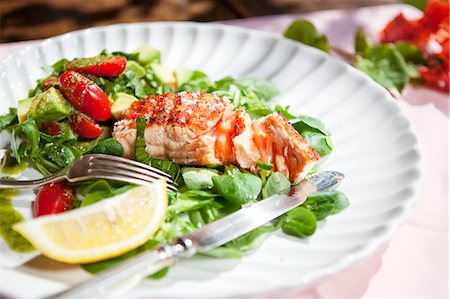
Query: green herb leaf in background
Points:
[385, 65]
[420, 4]
[392, 66]
[305, 32]
[410, 52]
[361, 42]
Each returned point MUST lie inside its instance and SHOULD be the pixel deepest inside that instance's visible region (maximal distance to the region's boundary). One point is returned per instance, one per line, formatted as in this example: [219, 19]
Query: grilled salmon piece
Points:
[193, 128]
[281, 145]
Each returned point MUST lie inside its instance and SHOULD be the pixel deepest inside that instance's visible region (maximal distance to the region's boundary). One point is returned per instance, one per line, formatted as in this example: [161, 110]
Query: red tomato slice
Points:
[85, 95]
[50, 82]
[100, 66]
[54, 198]
[84, 126]
[51, 129]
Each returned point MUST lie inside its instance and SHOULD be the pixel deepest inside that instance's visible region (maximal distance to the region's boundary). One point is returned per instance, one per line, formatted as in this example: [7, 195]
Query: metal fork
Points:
[99, 166]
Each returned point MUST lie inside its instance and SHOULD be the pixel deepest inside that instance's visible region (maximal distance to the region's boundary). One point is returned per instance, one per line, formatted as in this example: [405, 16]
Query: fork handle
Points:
[31, 183]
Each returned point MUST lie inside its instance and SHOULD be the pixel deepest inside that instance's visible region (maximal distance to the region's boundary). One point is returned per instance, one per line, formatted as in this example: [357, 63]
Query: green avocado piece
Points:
[49, 106]
[148, 54]
[23, 106]
[122, 103]
[163, 73]
[183, 75]
[136, 68]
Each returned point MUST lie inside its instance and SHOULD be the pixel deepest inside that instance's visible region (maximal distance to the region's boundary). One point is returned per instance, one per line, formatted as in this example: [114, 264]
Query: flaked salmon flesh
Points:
[200, 129]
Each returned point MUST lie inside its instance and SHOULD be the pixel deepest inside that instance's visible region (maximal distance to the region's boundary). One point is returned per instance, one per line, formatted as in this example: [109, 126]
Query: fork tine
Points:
[122, 175]
[128, 167]
[126, 161]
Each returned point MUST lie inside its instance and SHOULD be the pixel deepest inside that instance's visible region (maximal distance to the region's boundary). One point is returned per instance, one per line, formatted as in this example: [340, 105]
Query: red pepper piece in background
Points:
[430, 34]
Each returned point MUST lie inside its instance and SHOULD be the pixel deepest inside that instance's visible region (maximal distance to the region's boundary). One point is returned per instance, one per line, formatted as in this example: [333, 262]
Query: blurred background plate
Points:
[374, 145]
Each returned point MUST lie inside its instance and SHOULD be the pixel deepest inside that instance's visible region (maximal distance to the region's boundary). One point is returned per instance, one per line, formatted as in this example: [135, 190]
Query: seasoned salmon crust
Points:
[194, 128]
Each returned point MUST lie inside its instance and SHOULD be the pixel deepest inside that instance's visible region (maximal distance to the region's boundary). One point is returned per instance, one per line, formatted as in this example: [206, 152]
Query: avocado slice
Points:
[135, 67]
[23, 106]
[163, 73]
[183, 75]
[122, 103]
[148, 54]
[49, 106]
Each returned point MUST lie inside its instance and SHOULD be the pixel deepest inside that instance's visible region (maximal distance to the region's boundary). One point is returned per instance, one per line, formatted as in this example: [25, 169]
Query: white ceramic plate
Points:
[375, 146]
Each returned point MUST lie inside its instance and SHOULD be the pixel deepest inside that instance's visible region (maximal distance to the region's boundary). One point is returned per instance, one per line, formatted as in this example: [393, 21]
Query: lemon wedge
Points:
[102, 230]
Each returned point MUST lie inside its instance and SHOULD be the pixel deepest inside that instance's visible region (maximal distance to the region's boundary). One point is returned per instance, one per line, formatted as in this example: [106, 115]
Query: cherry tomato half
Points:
[85, 95]
[50, 82]
[54, 198]
[51, 129]
[100, 66]
[84, 126]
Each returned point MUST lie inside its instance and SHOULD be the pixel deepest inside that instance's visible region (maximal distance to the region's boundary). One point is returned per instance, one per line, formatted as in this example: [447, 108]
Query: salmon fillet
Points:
[193, 128]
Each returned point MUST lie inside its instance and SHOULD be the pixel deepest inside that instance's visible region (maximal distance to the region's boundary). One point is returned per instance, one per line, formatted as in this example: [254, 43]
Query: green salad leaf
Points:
[92, 192]
[314, 131]
[324, 204]
[299, 222]
[198, 178]
[108, 146]
[29, 147]
[193, 81]
[8, 119]
[105, 264]
[263, 89]
[243, 244]
[275, 184]
[238, 188]
[55, 70]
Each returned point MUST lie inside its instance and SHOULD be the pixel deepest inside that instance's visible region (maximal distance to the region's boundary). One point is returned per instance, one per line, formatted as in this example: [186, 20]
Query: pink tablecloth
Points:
[415, 263]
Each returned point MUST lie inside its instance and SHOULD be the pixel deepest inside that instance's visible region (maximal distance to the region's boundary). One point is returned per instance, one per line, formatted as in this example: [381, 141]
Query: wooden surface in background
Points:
[35, 19]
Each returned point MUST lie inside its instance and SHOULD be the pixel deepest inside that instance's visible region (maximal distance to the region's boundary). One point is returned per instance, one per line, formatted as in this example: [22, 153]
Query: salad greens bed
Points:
[205, 194]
